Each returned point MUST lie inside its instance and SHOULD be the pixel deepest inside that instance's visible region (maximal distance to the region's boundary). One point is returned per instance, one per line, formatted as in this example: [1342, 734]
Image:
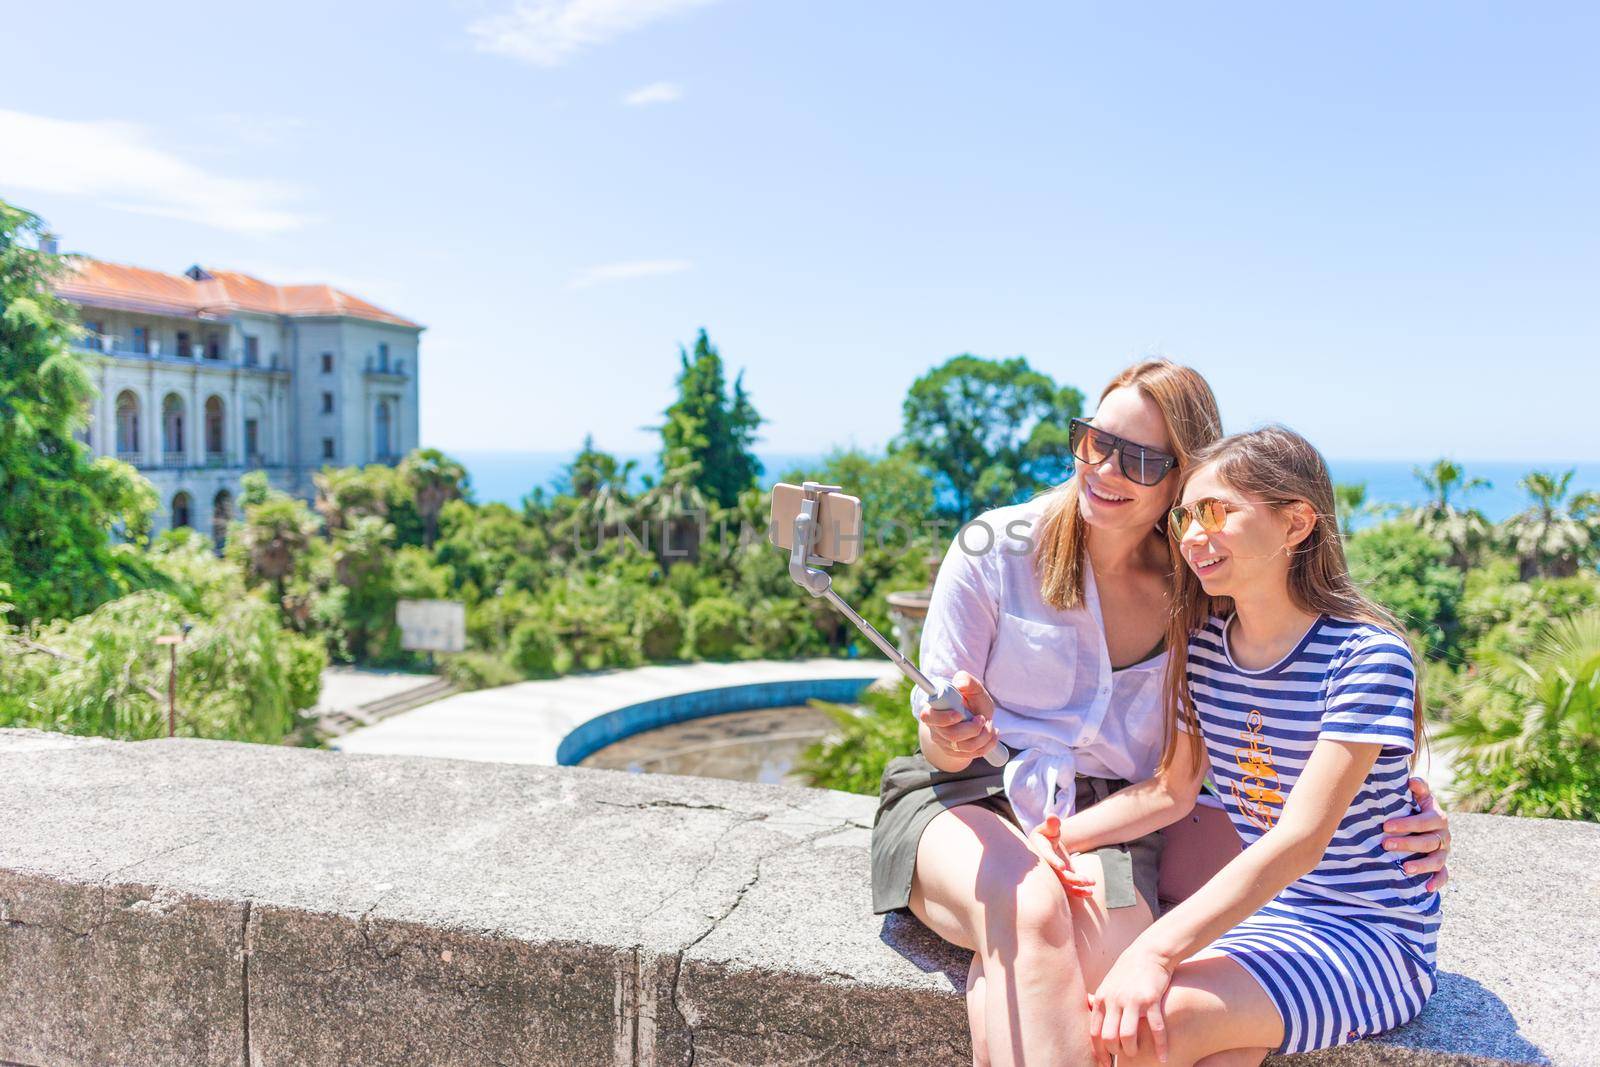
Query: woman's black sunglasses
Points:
[1142, 465]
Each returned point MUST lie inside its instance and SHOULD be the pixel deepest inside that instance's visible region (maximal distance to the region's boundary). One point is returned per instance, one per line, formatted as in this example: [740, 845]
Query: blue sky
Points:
[1375, 222]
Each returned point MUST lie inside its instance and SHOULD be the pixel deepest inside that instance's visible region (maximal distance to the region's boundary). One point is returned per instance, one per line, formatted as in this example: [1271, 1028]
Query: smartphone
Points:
[837, 535]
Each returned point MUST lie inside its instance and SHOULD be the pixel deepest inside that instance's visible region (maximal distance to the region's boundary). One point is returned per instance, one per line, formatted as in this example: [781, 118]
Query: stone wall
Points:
[207, 902]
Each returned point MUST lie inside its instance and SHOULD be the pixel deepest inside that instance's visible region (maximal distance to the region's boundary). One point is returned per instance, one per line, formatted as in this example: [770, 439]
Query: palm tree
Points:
[1465, 530]
[436, 479]
[345, 494]
[274, 535]
[1549, 539]
[1526, 731]
[676, 513]
[600, 481]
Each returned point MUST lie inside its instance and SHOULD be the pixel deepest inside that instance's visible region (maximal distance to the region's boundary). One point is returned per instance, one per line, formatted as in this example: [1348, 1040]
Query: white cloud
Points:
[118, 164]
[547, 32]
[654, 93]
[621, 272]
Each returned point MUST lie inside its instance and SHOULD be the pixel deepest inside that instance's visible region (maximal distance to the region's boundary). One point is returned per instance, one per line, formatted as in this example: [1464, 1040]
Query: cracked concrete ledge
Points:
[207, 902]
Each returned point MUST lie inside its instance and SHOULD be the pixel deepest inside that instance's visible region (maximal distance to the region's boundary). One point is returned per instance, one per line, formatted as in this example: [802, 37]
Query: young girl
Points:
[1304, 695]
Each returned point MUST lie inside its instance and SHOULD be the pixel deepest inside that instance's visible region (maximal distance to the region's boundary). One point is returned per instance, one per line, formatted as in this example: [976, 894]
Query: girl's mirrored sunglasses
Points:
[1210, 512]
[1144, 466]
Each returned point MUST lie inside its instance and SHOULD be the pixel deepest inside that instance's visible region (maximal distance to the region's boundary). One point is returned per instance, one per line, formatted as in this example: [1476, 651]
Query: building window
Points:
[252, 442]
[327, 403]
[252, 351]
[215, 439]
[172, 428]
[185, 345]
[327, 448]
[91, 336]
[213, 348]
[141, 340]
[128, 424]
[383, 356]
[327, 363]
[381, 431]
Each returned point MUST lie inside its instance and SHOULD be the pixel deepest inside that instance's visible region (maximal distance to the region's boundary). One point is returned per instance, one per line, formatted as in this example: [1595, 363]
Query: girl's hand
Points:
[970, 738]
[1427, 832]
[1046, 844]
[1130, 994]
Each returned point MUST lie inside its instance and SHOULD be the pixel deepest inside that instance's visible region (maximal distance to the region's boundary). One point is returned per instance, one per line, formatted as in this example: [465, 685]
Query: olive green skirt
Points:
[913, 791]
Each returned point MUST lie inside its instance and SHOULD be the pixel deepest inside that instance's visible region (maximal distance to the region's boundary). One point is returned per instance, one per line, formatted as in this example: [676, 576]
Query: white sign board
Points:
[432, 625]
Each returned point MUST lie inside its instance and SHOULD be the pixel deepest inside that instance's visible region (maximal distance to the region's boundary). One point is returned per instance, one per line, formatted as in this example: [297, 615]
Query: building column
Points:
[235, 425]
[194, 421]
[150, 416]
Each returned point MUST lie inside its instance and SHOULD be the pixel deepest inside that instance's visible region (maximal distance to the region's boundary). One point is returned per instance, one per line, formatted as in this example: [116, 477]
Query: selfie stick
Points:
[803, 568]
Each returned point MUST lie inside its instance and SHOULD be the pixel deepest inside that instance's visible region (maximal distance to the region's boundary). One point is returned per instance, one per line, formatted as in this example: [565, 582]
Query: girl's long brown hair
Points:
[1189, 410]
[1272, 463]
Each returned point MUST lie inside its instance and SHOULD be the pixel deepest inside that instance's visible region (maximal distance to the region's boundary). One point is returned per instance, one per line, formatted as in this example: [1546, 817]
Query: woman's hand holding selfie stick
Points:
[968, 737]
[821, 526]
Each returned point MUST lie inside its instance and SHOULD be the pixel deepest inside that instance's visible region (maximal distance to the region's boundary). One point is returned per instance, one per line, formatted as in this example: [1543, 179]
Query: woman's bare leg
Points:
[1102, 933]
[978, 885]
[1213, 1007]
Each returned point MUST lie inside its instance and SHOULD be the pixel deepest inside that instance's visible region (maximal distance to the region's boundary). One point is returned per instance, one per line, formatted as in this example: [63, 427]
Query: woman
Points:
[1304, 694]
[1051, 618]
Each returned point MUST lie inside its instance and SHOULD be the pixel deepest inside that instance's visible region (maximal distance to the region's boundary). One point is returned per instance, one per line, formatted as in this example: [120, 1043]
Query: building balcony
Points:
[135, 458]
[394, 369]
[175, 359]
[175, 459]
[216, 459]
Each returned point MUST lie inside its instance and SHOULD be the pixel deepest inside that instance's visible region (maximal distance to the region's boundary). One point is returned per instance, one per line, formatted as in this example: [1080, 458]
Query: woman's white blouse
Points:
[1059, 706]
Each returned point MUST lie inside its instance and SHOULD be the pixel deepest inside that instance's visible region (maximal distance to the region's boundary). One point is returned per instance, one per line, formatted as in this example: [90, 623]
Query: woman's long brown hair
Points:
[1272, 463]
[1189, 410]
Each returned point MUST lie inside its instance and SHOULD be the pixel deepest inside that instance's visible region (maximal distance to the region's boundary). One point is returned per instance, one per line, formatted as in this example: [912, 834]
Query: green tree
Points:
[1550, 539]
[59, 506]
[1525, 731]
[709, 431]
[1409, 573]
[990, 430]
[241, 676]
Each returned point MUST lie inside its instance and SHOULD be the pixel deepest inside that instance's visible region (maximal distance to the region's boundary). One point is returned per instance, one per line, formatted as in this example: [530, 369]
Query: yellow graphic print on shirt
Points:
[1257, 791]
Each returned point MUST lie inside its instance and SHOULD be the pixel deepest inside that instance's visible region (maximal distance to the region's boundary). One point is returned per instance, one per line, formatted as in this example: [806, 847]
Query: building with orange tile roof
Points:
[211, 373]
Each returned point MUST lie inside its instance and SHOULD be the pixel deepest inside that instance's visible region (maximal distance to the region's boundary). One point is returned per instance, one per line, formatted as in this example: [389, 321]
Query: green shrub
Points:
[867, 738]
[782, 629]
[1525, 730]
[479, 670]
[715, 627]
[533, 648]
[658, 626]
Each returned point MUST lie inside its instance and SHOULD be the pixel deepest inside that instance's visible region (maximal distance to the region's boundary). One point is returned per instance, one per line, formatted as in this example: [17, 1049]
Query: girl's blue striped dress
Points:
[1348, 950]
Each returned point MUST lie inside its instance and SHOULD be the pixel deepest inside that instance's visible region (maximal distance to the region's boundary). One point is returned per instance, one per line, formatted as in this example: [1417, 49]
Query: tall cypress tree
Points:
[708, 427]
[58, 504]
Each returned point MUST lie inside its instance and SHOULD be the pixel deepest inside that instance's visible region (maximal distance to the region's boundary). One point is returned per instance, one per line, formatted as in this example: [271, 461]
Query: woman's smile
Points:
[1104, 495]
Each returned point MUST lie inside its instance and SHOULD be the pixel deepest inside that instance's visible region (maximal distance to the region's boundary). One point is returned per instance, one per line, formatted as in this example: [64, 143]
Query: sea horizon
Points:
[506, 476]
